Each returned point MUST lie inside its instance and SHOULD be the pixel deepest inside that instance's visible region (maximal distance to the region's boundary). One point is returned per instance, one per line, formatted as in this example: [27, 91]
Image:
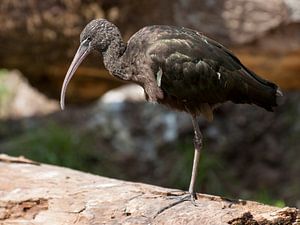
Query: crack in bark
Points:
[26, 209]
[288, 216]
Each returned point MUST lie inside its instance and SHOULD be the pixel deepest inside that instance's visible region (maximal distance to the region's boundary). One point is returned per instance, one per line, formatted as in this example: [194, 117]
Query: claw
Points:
[186, 197]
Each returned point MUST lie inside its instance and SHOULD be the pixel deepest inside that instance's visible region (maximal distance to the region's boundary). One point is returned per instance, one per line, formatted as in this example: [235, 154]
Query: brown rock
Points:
[40, 37]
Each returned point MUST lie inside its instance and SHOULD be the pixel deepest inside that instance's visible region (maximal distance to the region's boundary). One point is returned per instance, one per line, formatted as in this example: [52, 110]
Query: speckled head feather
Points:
[99, 33]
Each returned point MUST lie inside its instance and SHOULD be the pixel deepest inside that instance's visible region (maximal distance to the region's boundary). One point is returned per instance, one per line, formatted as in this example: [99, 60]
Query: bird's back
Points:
[195, 72]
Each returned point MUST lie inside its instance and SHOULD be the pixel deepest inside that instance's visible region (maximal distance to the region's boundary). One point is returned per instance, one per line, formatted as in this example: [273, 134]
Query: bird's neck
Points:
[113, 60]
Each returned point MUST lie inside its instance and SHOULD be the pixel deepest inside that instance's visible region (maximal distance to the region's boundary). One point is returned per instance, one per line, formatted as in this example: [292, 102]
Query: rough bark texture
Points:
[33, 193]
[40, 37]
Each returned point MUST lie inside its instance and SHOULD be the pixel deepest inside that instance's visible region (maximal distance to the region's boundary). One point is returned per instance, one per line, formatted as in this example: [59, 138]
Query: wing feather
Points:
[198, 70]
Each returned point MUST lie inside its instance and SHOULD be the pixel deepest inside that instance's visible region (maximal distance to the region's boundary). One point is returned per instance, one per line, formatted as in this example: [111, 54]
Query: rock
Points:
[18, 99]
[133, 127]
[126, 93]
[265, 36]
[44, 194]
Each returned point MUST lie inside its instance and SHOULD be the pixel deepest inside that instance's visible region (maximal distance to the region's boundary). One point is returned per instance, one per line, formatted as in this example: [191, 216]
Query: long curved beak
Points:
[82, 52]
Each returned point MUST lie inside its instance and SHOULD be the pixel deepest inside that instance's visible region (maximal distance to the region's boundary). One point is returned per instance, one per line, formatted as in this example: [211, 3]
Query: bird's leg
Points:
[198, 146]
[191, 196]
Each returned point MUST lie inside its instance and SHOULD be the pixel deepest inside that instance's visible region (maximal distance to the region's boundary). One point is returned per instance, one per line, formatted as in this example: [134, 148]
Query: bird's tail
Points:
[261, 92]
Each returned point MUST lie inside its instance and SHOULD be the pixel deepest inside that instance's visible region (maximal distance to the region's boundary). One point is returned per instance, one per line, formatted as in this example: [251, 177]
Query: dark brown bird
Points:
[177, 67]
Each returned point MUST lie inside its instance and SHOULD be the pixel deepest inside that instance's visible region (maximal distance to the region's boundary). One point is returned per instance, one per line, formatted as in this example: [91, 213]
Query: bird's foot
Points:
[183, 196]
[179, 199]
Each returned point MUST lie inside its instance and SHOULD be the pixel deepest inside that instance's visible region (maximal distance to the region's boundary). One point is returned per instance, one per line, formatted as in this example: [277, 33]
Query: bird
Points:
[178, 67]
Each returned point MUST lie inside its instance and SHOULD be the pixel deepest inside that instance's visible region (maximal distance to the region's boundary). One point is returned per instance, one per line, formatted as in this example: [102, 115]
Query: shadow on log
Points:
[33, 193]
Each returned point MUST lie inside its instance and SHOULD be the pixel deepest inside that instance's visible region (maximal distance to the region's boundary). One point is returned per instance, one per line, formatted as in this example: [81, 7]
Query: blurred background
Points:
[108, 129]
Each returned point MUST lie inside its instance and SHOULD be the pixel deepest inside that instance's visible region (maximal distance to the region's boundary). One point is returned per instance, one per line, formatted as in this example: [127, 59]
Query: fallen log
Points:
[33, 193]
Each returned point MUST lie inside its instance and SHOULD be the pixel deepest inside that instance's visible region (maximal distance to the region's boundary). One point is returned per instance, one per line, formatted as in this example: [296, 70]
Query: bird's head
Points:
[97, 35]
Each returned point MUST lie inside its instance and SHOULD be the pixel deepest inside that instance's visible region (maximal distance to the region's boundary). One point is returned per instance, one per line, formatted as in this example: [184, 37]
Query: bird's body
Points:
[177, 67]
[188, 71]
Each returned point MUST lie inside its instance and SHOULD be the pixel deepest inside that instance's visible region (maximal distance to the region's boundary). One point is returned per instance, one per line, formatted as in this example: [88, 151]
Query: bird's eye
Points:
[86, 41]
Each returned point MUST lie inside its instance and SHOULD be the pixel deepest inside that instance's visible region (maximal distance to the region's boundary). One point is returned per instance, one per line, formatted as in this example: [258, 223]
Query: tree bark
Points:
[33, 193]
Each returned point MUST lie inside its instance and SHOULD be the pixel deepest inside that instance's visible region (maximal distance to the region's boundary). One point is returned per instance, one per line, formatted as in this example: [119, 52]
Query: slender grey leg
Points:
[198, 146]
[192, 194]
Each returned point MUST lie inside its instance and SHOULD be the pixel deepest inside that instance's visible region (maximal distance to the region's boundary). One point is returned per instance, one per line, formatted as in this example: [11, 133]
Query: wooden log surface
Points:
[33, 193]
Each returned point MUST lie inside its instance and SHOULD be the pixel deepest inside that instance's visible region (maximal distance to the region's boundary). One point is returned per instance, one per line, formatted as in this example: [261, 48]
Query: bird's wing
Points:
[197, 69]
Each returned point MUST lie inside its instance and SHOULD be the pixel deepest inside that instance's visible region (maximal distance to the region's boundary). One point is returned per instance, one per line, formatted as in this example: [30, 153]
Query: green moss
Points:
[265, 197]
[3, 89]
[64, 146]
[52, 144]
